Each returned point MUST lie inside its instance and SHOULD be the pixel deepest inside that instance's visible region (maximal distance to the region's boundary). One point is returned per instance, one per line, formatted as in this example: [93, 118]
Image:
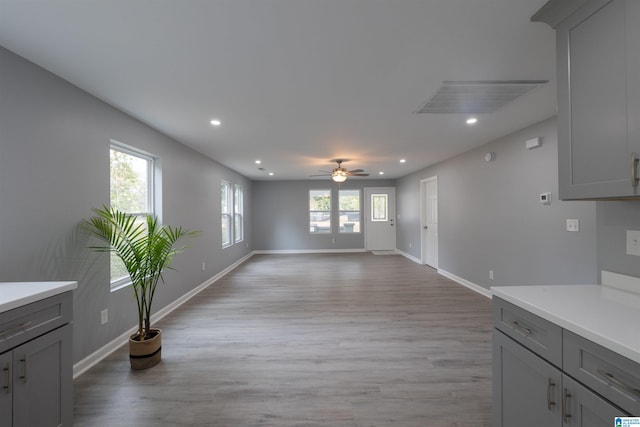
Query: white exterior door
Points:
[429, 234]
[380, 213]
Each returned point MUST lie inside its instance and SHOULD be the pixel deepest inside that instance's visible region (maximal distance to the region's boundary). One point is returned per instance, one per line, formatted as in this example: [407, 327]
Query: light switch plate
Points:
[633, 242]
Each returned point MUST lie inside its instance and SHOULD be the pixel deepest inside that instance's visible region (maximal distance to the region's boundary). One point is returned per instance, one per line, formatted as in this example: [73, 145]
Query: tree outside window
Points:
[320, 211]
[349, 202]
[131, 191]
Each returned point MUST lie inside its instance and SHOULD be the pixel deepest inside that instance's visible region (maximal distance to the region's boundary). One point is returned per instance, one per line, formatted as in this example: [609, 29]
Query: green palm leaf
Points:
[146, 248]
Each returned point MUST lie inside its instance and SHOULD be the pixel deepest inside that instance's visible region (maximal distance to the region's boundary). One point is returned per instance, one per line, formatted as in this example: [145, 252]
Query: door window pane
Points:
[379, 207]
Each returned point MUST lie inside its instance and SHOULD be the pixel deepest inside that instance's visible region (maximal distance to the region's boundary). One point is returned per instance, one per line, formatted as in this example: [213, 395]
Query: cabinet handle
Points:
[565, 407]
[634, 167]
[7, 374]
[550, 387]
[612, 380]
[521, 328]
[23, 377]
[21, 326]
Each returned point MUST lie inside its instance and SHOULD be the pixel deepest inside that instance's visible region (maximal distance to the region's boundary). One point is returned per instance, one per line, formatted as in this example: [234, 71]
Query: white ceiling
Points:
[295, 82]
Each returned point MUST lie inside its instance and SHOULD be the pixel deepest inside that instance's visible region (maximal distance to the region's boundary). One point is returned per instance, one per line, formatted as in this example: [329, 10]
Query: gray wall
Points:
[54, 167]
[490, 217]
[614, 218]
[281, 216]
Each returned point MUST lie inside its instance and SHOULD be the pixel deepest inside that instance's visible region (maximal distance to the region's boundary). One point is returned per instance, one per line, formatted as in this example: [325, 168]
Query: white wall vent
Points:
[476, 97]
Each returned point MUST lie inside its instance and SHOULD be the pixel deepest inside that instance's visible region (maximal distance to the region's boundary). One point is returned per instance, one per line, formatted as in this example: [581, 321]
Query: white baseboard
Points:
[94, 358]
[409, 256]
[306, 251]
[476, 288]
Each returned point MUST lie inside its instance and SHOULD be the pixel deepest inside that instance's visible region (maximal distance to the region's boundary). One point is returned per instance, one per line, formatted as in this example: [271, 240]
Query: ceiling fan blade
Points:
[324, 174]
[359, 174]
[356, 170]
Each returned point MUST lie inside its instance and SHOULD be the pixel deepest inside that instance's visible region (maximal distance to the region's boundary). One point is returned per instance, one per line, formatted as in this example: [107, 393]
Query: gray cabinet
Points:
[583, 408]
[526, 388]
[6, 393]
[598, 47]
[532, 387]
[609, 374]
[36, 363]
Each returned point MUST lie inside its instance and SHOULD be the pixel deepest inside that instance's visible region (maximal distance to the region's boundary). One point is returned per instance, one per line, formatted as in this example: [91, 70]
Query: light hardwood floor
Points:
[309, 340]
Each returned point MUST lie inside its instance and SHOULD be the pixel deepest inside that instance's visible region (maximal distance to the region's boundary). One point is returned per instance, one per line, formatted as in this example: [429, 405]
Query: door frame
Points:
[423, 218]
[367, 210]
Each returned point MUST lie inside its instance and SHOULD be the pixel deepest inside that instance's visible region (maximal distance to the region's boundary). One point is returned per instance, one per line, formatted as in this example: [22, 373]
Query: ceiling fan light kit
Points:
[341, 174]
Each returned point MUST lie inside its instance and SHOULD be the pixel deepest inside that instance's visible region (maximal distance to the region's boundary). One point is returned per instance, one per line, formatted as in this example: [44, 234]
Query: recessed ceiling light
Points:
[403, 160]
[271, 174]
[258, 162]
[381, 173]
[472, 121]
[215, 122]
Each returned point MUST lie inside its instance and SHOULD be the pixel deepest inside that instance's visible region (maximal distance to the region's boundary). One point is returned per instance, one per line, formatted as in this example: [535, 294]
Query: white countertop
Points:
[17, 294]
[604, 315]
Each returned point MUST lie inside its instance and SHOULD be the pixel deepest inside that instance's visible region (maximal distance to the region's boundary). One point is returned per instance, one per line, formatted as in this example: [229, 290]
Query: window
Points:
[379, 207]
[319, 211]
[226, 204]
[238, 212]
[132, 191]
[349, 202]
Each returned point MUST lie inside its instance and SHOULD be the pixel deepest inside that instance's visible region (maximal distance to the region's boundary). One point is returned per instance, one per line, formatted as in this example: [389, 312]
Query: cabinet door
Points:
[526, 388]
[42, 381]
[584, 408]
[594, 147]
[6, 389]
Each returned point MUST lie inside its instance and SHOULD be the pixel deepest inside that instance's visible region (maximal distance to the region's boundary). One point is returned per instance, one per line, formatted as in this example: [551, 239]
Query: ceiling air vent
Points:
[476, 97]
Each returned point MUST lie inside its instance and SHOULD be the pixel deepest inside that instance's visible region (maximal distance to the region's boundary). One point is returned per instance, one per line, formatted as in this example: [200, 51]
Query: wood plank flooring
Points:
[309, 340]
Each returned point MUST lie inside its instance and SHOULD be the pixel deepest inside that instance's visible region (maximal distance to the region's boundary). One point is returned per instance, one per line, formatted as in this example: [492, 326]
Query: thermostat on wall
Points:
[545, 198]
[534, 143]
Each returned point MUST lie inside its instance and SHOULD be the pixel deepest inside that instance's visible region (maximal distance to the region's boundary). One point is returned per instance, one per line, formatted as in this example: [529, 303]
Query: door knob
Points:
[425, 227]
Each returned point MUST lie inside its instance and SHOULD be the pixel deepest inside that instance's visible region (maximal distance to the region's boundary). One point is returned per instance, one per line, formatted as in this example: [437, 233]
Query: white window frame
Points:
[238, 213]
[385, 197]
[152, 171]
[312, 212]
[226, 215]
[359, 211]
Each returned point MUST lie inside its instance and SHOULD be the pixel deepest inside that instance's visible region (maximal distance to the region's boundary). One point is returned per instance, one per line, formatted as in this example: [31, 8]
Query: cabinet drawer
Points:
[30, 321]
[582, 407]
[614, 377]
[537, 334]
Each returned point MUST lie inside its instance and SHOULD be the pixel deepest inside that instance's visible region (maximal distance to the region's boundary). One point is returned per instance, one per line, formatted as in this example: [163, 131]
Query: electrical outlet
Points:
[573, 225]
[633, 242]
[104, 316]
[204, 266]
[491, 274]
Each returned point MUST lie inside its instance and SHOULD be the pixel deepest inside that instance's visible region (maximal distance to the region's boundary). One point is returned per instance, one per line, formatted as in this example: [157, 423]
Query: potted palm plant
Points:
[146, 249]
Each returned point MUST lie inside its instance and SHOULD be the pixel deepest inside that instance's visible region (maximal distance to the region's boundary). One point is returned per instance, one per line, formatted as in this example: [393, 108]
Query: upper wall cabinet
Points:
[598, 59]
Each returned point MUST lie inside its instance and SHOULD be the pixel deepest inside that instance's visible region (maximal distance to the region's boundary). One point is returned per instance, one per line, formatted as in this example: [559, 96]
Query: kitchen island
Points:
[36, 353]
[565, 355]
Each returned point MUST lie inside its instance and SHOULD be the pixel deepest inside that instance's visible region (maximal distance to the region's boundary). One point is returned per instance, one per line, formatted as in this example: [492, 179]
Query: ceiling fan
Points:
[340, 174]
